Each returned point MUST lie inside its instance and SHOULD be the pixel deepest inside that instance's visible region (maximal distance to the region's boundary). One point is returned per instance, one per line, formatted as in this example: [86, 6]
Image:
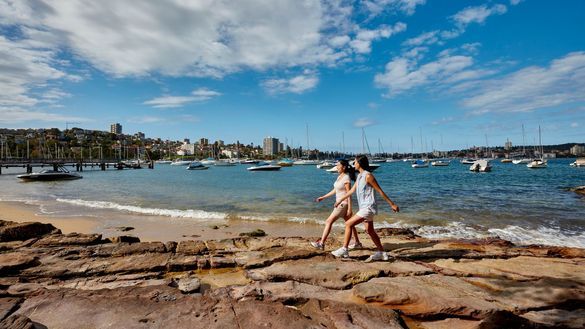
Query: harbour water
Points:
[513, 202]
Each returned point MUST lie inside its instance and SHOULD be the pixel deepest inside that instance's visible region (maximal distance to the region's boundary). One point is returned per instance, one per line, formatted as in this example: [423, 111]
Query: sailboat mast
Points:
[523, 141]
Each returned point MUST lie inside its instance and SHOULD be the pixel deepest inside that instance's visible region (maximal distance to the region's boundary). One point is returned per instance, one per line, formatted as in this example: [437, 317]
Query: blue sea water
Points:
[513, 202]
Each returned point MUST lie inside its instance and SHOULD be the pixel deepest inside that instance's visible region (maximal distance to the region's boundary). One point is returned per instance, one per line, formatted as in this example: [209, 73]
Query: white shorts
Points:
[367, 214]
[340, 211]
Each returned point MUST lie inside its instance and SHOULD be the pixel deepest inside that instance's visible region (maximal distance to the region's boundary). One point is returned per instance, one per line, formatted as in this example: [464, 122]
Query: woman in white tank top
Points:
[342, 210]
[365, 185]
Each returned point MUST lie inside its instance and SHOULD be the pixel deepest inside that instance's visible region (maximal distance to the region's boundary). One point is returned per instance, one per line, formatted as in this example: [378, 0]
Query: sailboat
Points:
[373, 166]
[523, 160]
[538, 163]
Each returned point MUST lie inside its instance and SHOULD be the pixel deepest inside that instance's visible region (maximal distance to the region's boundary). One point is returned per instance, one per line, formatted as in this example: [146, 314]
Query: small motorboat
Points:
[420, 164]
[250, 161]
[196, 165]
[522, 161]
[163, 162]
[209, 161]
[225, 163]
[326, 165]
[306, 162]
[537, 164]
[264, 166]
[57, 173]
[179, 162]
[578, 163]
[440, 163]
[506, 161]
[481, 166]
[284, 162]
[467, 161]
[373, 166]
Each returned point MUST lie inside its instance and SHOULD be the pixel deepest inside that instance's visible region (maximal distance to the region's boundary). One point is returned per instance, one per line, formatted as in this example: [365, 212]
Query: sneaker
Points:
[378, 255]
[318, 245]
[354, 246]
[341, 252]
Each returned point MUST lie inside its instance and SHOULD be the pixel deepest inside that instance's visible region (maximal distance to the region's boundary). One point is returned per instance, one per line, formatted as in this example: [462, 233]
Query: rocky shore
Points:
[54, 280]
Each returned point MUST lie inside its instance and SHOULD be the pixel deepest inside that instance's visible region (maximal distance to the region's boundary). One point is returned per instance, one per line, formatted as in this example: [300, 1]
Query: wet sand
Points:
[156, 228]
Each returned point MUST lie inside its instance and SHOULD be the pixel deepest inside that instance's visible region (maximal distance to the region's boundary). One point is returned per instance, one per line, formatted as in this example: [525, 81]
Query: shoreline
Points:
[157, 228]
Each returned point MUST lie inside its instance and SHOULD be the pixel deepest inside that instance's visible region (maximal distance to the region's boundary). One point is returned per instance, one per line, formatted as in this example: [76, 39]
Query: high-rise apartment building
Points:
[270, 146]
[116, 128]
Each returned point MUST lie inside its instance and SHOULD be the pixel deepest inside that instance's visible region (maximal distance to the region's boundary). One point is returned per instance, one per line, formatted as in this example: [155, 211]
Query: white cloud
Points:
[373, 105]
[574, 125]
[515, 2]
[146, 120]
[192, 38]
[376, 7]
[198, 95]
[477, 14]
[427, 38]
[15, 115]
[531, 88]
[362, 43]
[297, 85]
[363, 122]
[403, 74]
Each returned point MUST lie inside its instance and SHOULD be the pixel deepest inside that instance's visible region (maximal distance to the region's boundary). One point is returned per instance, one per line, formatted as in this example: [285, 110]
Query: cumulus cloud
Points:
[15, 115]
[426, 38]
[362, 43]
[531, 88]
[477, 14]
[198, 95]
[403, 74]
[297, 84]
[363, 122]
[376, 7]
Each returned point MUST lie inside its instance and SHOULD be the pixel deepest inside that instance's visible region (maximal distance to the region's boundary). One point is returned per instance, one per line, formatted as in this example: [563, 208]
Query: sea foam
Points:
[175, 213]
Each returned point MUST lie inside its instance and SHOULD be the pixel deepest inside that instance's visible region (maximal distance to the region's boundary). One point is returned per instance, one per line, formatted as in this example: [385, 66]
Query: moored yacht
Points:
[196, 165]
[440, 163]
[180, 162]
[57, 173]
[481, 166]
[420, 164]
[264, 166]
[537, 164]
[326, 164]
[578, 163]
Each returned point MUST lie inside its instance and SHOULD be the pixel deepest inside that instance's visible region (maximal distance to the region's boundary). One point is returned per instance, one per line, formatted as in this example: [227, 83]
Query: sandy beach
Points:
[155, 228]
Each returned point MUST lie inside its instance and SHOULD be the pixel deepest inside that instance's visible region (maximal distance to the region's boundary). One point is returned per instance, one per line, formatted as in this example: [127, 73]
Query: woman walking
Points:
[342, 210]
[365, 186]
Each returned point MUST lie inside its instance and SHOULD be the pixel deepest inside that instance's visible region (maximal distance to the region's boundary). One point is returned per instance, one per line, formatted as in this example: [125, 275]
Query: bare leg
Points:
[354, 232]
[373, 235]
[328, 223]
[349, 225]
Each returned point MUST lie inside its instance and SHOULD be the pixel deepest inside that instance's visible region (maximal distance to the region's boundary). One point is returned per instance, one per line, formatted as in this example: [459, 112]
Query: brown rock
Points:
[521, 296]
[191, 247]
[8, 305]
[23, 289]
[139, 248]
[68, 240]
[156, 307]
[10, 231]
[265, 257]
[428, 296]
[179, 263]
[334, 274]
[15, 261]
[288, 292]
[171, 246]
[18, 322]
[337, 315]
[558, 318]
[133, 264]
[518, 268]
[393, 231]
[124, 239]
[189, 285]
[221, 262]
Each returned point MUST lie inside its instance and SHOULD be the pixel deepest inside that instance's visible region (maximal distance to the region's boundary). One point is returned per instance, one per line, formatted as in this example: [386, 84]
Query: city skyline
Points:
[448, 75]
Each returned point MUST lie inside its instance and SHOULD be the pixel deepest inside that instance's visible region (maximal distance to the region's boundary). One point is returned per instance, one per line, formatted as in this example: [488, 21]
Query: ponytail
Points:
[348, 169]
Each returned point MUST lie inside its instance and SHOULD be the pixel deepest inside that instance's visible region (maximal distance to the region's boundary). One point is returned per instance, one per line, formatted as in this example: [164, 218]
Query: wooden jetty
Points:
[77, 164]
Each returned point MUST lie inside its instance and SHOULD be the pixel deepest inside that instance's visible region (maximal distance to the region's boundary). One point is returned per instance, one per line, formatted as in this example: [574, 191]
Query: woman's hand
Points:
[337, 203]
[394, 207]
[319, 199]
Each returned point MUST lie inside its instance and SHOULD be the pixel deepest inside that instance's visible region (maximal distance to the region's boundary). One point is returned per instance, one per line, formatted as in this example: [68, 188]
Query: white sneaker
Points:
[341, 252]
[318, 245]
[354, 246]
[378, 255]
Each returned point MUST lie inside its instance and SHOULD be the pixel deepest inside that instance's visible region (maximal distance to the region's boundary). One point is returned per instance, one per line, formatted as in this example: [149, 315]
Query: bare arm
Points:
[347, 195]
[347, 189]
[319, 199]
[370, 179]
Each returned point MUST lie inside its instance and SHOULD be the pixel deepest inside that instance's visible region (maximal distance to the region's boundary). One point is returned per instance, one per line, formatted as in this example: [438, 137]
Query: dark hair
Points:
[364, 162]
[348, 169]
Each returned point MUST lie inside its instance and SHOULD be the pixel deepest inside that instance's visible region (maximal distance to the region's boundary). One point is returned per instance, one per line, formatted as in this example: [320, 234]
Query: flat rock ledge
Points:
[54, 280]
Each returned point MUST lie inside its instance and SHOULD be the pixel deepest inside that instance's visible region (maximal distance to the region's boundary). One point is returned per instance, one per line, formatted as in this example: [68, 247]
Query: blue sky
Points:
[453, 72]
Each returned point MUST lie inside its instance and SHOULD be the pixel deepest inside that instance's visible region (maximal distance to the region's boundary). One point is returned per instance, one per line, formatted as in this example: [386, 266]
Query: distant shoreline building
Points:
[270, 146]
[116, 128]
[578, 150]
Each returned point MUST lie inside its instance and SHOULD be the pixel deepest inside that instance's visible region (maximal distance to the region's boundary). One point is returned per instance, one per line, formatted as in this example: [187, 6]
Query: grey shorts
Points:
[367, 214]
